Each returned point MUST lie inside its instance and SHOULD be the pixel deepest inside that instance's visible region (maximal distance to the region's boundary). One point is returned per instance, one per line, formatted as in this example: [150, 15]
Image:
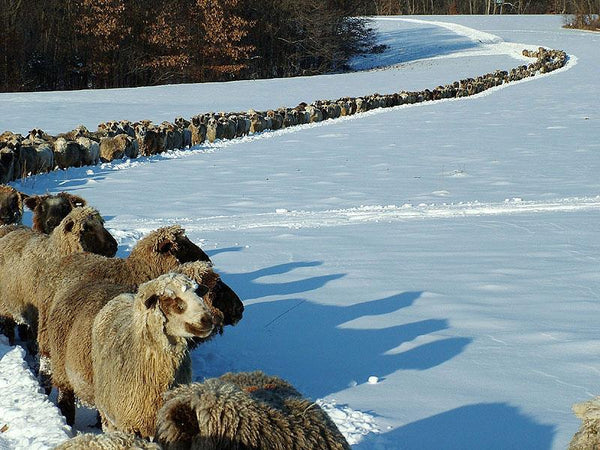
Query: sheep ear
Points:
[151, 301]
[69, 226]
[76, 201]
[202, 290]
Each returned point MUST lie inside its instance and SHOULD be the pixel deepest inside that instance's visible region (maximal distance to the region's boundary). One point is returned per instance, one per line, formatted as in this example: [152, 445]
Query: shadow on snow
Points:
[486, 425]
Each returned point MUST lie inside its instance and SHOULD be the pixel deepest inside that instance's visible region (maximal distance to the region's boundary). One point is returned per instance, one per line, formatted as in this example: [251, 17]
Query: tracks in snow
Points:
[367, 214]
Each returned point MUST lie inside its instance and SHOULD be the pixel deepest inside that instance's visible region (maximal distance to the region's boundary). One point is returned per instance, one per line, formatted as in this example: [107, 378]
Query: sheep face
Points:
[11, 205]
[185, 250]
[50, 210]
[90, 233]
[223, 298]
[182, 307]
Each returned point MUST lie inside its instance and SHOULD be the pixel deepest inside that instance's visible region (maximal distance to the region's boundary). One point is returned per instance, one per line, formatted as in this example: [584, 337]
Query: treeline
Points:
[65, 44]
[383, 7]
[75, 44]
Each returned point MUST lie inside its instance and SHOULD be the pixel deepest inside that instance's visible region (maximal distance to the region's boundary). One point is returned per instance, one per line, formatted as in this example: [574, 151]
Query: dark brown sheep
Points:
[11, 205]
[48, 210]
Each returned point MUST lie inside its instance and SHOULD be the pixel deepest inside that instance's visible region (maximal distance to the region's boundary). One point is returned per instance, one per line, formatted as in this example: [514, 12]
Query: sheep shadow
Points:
[311, 345]
[248, 288]
[484, 425]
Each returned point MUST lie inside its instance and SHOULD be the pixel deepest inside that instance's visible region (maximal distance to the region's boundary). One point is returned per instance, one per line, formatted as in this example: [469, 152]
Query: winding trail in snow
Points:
[364, 214]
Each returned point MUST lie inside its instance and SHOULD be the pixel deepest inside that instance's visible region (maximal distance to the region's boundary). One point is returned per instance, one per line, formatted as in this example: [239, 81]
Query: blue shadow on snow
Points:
[481, 426]
[308, 344]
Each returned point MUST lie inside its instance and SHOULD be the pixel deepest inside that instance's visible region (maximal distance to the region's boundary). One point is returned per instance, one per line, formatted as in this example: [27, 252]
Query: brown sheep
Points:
[140, 349]
[244, 411]
[7, 164]
[67, 154]
[49, 210]
[11, 205]
[26, 256]
[115, 440]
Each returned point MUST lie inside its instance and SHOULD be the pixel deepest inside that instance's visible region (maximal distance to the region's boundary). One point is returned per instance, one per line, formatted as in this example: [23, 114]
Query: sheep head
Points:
[11, 205]
[82, 230]
[50, 210]
[221, 298]
[163, 250]
[176, 302]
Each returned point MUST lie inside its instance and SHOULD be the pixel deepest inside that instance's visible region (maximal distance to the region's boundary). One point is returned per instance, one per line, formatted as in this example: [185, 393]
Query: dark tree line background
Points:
[75, 44]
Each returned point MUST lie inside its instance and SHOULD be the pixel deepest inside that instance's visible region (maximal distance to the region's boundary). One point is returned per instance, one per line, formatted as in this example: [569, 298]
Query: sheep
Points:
[26, 256]
[7, 165]
[115, 440]
[150, 138]
[11, 205]
[49, 210]
[140, 349]
[183, 126]
[588, 435]
[244, 410]
[90, 150]
[198, 129]
[67, 154]
[118, 147]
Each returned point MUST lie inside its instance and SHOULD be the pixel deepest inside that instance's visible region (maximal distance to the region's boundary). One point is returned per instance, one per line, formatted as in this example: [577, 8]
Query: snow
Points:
[448, 249]
[28, 419]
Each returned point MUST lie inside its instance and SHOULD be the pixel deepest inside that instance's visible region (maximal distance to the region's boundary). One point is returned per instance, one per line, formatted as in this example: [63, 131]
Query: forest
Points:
[63, 44]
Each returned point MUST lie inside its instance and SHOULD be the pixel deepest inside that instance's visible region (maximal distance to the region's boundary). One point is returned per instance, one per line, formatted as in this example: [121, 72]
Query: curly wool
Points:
[245, 410]
[115, 440]
[588, 435]
[136, 356]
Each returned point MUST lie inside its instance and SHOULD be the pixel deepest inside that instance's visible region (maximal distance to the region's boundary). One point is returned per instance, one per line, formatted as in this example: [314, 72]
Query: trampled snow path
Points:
[283, 218]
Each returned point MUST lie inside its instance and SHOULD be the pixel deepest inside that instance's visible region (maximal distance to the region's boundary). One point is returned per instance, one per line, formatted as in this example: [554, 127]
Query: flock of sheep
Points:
[115, 333]
[40, 152]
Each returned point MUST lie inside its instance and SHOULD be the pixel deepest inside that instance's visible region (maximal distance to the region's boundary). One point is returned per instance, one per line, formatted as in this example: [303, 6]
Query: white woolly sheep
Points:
[115, 440]
[588, 435]
[244, 410]
[140, 350]
[72, 313]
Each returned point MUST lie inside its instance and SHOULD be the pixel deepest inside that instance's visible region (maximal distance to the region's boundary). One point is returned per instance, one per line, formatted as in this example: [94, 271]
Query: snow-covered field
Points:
[446, 248]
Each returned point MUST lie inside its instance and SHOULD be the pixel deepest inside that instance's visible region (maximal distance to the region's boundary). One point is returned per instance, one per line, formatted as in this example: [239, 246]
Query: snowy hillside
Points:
[447, 248]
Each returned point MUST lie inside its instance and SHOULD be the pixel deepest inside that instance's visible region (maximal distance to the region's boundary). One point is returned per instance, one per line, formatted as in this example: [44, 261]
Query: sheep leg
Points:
[66, 404]
[7, 328]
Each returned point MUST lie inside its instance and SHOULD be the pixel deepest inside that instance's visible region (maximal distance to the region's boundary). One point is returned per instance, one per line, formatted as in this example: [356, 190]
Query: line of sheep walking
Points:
[40, 152]
[116, 333]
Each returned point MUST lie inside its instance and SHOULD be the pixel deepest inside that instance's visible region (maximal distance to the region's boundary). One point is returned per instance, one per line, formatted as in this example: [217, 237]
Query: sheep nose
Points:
[207, 322]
